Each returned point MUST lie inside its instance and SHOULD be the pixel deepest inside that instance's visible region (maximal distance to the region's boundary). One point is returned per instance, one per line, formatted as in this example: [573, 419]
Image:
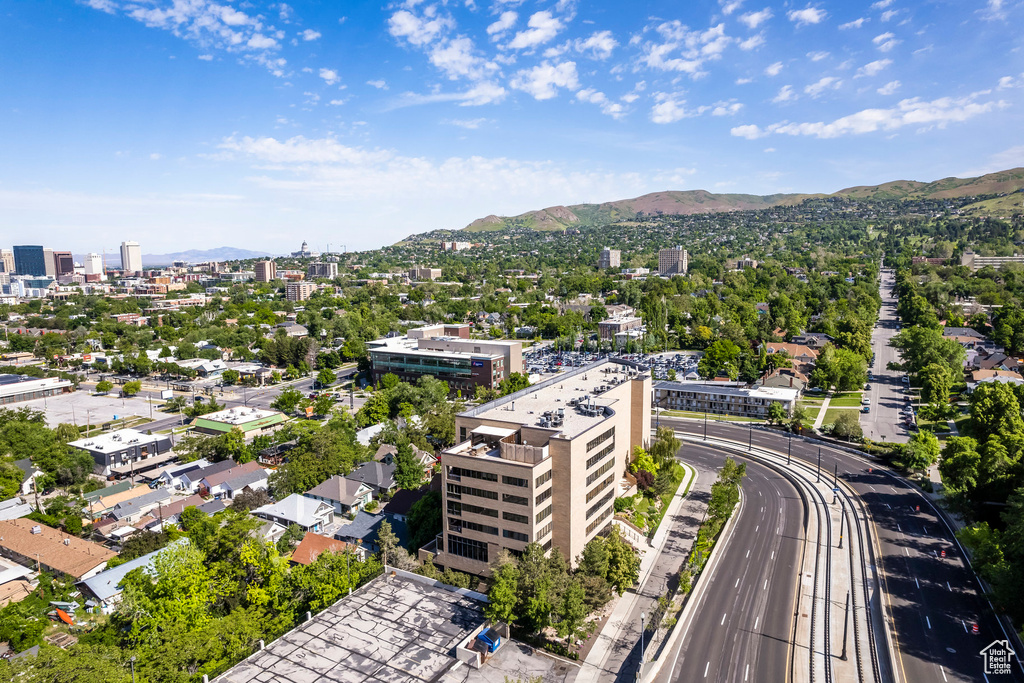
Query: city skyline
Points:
[208, 124]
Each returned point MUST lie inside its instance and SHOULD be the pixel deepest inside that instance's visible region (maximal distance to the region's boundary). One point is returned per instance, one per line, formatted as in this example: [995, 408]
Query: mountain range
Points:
[1004, 183]
[190, 256]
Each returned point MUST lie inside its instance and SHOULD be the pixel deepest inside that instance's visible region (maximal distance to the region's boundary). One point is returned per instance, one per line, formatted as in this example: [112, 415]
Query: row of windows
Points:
[600, 455]
[600, 487]
[543, 514]
[468, 547]
[513, 517]
[482, 528]
[544, 531]
[541, 497]
[592, 477]
[515, 535]
[514, 481]
[542, 479]
[594, 443]
[457, 490]
[600, 519]
[473, 474]
[599, 504]
[515, 500]
[457, 508]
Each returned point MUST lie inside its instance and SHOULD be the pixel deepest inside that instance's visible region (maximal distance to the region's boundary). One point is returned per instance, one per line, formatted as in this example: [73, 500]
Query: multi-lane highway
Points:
[741, 628]
[935, 600]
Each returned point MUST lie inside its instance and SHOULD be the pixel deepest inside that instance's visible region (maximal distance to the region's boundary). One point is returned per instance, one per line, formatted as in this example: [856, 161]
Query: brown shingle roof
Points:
[75, 558]
[314, 544]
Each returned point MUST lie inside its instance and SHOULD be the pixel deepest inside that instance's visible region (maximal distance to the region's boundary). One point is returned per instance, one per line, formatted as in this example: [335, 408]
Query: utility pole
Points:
[750, 437]
[846, 624]
[789, 455]
[842, 523]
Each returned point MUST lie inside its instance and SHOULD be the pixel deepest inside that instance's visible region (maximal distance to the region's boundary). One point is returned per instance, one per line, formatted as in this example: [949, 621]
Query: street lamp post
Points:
[750, 437]
[789, 455]
[132, 662]
[705, 423]
[818, 479]
[642, 618]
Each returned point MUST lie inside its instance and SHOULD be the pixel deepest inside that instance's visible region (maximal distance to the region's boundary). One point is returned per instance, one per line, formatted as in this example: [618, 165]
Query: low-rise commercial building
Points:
[541, 465]
[17, 388]
[607, 329]
[417, 273]
[719, 399]
[122, 448]
[252, 421]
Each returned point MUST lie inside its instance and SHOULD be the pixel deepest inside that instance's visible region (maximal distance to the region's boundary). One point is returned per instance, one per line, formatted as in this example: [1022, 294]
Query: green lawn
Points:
[811, 412]
[813, 399]
[833, 414]
[848, 399]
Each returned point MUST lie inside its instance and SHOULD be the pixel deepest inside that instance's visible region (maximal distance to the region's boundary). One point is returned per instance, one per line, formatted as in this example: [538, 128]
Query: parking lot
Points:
[547, 361]
[82, 408]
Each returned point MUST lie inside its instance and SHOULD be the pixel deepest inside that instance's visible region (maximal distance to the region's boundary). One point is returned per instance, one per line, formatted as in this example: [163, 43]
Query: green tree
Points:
[776, 413]
[642, 461]
[408, 469]
[920, 347]
[594, 559]
[131, 388]
[424, 520]
[623, 563]
[995, 410]
[722, 357]
[504, 593]
[516, 381]
[230, 376]
[936, 383]
[287, 401]
[847, 425]
[960, 469]
[572, 611]
[103, 386]
[922, 451]
[665, 446]
[326, 377]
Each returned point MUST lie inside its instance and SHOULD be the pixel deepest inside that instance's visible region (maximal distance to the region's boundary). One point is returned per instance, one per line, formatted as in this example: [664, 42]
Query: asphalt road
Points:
[742, 628]
[934, 600]
[887, 396]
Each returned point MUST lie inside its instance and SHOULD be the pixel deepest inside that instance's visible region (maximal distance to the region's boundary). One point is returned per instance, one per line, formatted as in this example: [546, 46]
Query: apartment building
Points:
[131, 257]
[322, 270]
[541, 465]
[266, 271]
[976, 261]
[299, 291]
[674, 261]
[607, 329]
[417, 273]
[718, 398]
[610, 258]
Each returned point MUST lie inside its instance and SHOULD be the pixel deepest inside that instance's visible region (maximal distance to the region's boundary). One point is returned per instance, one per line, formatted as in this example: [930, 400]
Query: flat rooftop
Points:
[589, 384]
[393, 629]
[113, 441]
[726, 389]
[239, 415]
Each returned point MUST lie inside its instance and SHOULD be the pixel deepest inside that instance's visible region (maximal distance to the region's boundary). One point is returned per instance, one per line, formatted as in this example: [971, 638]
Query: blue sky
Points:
[194, 124]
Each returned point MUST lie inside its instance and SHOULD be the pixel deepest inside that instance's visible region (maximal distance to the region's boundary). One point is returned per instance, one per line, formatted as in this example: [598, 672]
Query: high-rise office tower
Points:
[131, 257]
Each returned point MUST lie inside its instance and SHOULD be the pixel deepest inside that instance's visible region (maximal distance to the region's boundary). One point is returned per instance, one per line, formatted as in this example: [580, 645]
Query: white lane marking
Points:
[924, 530]
[948, 588]
[756, 528]
[905, 552]
[765, 585]
[888, 506]
[943, 673]
[721, 623]
[917, 582]
[773, 554]
[756, 621]
[737, 583]
[762, 508]
[746, 673]
[706, 667]
[965, 625]
[748, 553]
[929, 622]
[899, 529]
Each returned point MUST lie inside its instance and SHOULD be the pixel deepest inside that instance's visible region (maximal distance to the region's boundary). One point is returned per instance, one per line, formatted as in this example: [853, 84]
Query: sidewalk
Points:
[821, 413]
[610, 637]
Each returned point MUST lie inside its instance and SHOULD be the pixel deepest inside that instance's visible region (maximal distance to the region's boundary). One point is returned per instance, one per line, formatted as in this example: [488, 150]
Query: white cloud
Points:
[506, 21]
[480, 94]
[885, 42]
[330, 76]
[309, 34]
[598, 46]
[889, 88]
[889, 14]
[156, 156]
[457, 59]
[102, 5]
[744, 81]
[379, 84]
[468, 124]
[817, 56]
[785, 94]
[730, 6]
[910, 112]
[206, 58]
[994, 11]
[881, 4]
[543, 80]
[807, 15]
[336, 103]
[773, 69]
[856, 23]
[613, 109]
[670, 108]
[416, 30]
[1010, 82]
[755, 19]
[752, 42]
[261, 42]
[681, 49]
[823, 84]
[729, 108]
[873, 68]
[543, 26]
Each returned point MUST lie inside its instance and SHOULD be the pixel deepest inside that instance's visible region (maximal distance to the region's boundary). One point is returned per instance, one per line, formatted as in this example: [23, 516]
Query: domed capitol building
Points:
[305, 252]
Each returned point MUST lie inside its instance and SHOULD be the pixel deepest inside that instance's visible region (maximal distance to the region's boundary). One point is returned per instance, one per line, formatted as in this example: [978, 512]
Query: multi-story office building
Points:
[131, 257]
[7, 260]
[63, 263]
[266, 271]
[607, 329]
[49, 263]
[93, 267]
[29, 260]
[319, 270]
[976, 261]
[447, 353]
[299, 291]
[610, 258]
[541, 465]
[718, 398]
[675, 261]
[417, 273]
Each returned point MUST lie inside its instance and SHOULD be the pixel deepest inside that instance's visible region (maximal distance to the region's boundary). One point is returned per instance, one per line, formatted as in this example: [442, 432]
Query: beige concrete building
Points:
[675, 261]
[543, 464]
[607, 329]
[610, 258]
[320, 270]
[265, 271]
[417, 273]
[299, 291]
[721, 398]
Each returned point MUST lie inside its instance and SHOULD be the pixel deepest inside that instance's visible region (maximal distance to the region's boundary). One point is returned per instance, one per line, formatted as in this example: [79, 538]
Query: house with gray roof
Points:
[13, 508]
[364, 528]
[377, 475]
[308, 514]
[29, 473]
[105, 587]
[343, 494]
[131, 511]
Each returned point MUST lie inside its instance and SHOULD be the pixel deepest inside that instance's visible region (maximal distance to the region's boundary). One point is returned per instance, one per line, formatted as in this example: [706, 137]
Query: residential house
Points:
[386, 454]
[29, 474]
[13, 508]
[398, 507]
[131, 511]
[224, 483]
[171, 513]
[32, 544]
[345, 495]
[106, 587]
[313, 545]
[308, 514]
[966, 336]
[190, 480]
[997, 361]
[787, 378]
[376, 475]
[171, 476]
[364, 528]
[988, 376]
[801, 355]
[814, 340]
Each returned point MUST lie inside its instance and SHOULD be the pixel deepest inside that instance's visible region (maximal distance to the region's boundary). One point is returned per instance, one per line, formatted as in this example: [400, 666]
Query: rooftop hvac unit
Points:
[67, 541]
[37, 529]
